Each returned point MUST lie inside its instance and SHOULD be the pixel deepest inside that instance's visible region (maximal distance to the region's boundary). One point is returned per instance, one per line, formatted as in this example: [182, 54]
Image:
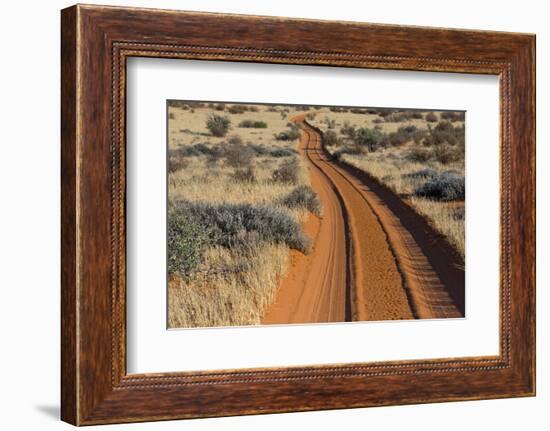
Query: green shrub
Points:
[186, 241]
[422, 174]
[237, 109]
[346, 150]
[287, 172]
[289, 135]
[419, 155]
[243, 225]
[329, 122]
[348, 130]
[453, 116]
[448, 186]
[445, 133]
[218, 125]
[245, 175]
[251, 124]
[431, 117]
[368, 138]
[176, 162]
[303, 197]
[238, 155]
[282, 152]
[194, 150]
[330, 138]
[445, 154]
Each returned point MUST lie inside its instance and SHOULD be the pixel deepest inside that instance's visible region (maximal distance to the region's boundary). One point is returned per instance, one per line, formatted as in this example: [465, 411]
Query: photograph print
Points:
[297, 214]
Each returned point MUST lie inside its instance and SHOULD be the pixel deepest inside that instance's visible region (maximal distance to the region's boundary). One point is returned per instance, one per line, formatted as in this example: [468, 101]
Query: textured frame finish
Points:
[96, 41]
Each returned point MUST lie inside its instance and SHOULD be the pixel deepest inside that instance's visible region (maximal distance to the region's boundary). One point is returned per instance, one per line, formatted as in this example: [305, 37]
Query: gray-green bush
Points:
[303, 197]
[287, 172]
[288, 135]
[368, 138]
[218, 125]
[252, 124]
[447, 186]
[242, 225]
[186, 241]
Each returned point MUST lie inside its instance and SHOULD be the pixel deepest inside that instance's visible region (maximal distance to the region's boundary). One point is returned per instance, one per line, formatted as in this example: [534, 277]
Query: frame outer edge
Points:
[69, 212]
[87, 396]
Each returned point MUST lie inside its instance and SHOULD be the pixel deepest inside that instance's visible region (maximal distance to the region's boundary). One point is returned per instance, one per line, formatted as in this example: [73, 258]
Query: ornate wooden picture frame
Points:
[96, 41]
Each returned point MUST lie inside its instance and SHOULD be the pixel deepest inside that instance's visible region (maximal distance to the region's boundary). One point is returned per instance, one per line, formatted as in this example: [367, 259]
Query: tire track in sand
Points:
[373, 254]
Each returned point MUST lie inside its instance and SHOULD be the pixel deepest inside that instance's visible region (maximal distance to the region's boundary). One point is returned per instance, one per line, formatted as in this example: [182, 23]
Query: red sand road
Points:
[373, 258]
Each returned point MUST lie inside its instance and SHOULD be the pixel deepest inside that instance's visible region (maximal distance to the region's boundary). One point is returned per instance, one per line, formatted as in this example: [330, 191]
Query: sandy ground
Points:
[392, 265]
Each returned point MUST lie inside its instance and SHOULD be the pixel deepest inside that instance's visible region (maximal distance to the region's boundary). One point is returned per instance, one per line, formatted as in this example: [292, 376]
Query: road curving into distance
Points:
[373, 257]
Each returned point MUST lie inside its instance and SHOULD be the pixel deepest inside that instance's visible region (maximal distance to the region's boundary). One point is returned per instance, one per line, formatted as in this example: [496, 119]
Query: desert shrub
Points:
[448, 186]
[337, 109]
[453, 116]
[330, 138]
[303, 197]
[218, 125]
[287, 172]
[176, 162]
[445, 153]
[217, 152]
[238, 155]
[368, 138]
[253, 109]
[405, 134]
[348, 130]
[289, 135]
[346, 150]
[377, 121]
[329, 122]
[422, 174]
[259, 150]
[384, 112]
[171, 116]
[244, 225]
[220, 107]
[186, 241]
[431, 117]
[419, 155]
[445, 133]
[251, 124]
[282, 152]
[245, 175]
[417, 115]
[177, 104]
[194, 150]
[237, 109]
[396, 117]
[235, 140]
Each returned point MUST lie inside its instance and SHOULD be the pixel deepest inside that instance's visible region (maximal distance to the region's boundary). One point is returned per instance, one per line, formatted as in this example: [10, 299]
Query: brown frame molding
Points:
[95, 42]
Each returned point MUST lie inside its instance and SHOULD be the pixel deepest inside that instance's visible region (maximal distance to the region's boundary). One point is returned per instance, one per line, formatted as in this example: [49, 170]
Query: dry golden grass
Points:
[185, 121]
[223, 299]
[446, 217]
[228, 297]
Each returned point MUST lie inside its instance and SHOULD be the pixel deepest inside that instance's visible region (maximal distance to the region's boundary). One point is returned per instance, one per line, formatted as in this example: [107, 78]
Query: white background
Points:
[151, 348]
[29, 225]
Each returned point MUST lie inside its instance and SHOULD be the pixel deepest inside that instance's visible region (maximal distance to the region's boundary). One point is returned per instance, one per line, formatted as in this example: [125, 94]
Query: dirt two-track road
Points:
[373, 258]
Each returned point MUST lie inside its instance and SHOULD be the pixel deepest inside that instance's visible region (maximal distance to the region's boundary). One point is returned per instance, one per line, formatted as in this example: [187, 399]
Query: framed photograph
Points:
[264, 215]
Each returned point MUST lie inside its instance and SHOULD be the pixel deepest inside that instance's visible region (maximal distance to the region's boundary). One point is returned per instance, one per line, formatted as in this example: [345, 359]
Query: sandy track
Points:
[316, 288]
[373, 258]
